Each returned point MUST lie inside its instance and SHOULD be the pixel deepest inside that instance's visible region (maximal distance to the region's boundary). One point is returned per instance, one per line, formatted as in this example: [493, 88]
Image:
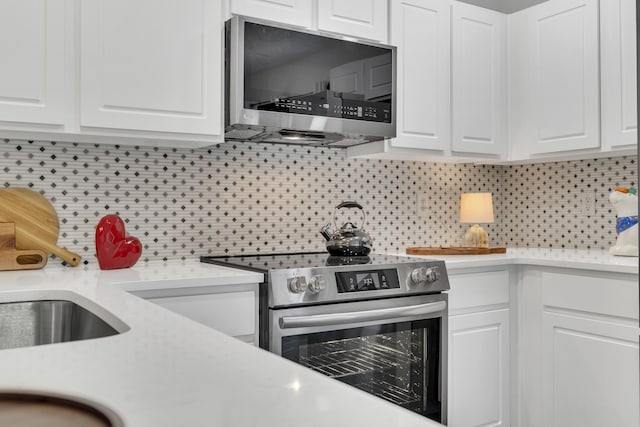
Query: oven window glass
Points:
[398, 362]
[294, 72]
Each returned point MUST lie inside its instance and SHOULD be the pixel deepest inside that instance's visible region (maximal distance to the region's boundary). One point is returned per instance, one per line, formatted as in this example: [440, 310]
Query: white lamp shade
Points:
[476, 208]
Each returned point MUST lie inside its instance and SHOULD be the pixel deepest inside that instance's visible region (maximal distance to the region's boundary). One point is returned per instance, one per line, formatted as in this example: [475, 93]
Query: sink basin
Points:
[30, 323]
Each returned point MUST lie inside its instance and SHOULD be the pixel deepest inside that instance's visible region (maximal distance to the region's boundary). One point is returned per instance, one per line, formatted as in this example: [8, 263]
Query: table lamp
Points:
[476, 208]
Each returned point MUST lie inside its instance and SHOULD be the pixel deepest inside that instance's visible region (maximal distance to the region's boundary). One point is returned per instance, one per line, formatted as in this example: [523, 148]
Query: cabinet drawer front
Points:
[478, 289]
[232, 313]
[612, 296]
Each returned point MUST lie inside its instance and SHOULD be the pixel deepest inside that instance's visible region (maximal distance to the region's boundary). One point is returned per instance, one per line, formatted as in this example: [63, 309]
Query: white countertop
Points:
[169, 371]
[166, 370]
[595, 260]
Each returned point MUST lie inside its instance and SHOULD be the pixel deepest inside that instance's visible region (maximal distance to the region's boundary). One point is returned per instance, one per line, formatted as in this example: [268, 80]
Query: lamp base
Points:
[476, 237]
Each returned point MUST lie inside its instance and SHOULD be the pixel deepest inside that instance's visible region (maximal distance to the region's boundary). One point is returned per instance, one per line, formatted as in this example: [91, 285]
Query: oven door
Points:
[394, 348]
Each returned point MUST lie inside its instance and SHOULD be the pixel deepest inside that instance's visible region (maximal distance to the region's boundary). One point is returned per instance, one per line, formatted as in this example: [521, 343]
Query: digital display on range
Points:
[356, 281]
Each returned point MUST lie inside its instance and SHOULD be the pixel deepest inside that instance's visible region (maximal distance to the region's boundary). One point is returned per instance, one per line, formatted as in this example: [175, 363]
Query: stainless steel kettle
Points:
[347, 240]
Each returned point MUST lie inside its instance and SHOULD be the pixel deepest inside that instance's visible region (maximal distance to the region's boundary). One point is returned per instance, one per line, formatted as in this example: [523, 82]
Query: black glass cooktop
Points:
[267, 262]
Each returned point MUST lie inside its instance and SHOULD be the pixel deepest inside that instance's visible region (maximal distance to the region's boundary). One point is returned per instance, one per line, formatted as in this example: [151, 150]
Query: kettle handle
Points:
[349, 205]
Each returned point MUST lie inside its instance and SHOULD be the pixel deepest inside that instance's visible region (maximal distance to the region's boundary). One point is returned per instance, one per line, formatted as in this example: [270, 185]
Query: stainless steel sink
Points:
[30, 323]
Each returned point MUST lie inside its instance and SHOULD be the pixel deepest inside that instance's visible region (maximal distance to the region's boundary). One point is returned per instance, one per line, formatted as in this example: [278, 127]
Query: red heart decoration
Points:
[113, 248]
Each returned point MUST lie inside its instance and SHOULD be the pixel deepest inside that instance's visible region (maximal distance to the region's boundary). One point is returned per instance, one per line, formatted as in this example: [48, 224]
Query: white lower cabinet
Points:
[589, 372]
[579, 349]
[479, 374]
[479, 371]
[232, 309]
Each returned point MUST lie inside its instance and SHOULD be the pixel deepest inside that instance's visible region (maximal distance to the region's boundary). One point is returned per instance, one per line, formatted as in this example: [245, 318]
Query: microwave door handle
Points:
[361, 316]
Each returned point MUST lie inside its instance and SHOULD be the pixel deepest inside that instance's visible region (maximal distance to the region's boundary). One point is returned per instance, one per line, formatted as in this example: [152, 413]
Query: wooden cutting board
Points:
[14, 259]
[454, 250]
[36, 221]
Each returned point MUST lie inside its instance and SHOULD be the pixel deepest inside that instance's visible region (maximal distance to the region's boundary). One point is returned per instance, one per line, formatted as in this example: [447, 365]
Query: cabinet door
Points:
[154, 66]
[564, 84]
[589, 372]
[618, 67]
[292, 12]
[479, 369]
[347, 78]
[232, 313]
[32, 74]
[421, 30]
[372, 77]
[358, 18]
[378, 77]
[479, 80]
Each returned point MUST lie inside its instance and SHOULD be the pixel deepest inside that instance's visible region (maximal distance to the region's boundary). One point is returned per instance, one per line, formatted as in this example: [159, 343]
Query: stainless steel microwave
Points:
[293, 86]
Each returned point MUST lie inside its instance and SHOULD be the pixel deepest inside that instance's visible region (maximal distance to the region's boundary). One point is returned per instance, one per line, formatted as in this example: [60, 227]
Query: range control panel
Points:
[357, 281]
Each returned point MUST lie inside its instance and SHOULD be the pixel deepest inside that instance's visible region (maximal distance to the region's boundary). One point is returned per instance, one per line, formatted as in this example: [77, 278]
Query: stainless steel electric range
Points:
[378, 323]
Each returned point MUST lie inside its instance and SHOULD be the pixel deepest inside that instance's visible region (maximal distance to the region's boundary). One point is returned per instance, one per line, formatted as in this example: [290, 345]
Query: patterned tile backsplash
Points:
[249, 198]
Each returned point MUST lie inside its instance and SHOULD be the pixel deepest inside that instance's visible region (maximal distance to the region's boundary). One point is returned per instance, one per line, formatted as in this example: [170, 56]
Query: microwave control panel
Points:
[331, 104]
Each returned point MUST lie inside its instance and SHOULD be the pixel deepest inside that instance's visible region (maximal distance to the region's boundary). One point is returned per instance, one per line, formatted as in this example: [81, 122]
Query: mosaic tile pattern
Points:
[261, 198]
[549, 205]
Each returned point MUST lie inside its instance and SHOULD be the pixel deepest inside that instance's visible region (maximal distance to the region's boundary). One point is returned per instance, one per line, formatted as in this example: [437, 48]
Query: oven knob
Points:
[317, 284]
[297, 284]
[419, 275]
[433, 274]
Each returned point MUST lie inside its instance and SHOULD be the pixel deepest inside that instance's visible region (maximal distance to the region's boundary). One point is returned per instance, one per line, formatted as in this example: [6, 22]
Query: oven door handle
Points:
[361, 316]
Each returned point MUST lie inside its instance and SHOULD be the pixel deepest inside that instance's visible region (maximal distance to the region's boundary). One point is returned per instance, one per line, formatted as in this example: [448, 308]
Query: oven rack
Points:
[391, 392]
[366, 358]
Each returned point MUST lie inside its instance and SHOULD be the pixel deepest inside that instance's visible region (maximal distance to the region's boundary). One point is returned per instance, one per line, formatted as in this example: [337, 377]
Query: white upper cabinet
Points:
[32, 74]
[151, 68]
[293, 12]
[421, 30]
[358, 18]
[554, 93]
[618, 73]
[112, 71]
[451, 84]
[363, 19]
[479, 80]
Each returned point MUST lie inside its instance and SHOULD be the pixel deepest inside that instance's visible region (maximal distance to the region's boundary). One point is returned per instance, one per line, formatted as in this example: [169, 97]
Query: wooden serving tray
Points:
[455, 250]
